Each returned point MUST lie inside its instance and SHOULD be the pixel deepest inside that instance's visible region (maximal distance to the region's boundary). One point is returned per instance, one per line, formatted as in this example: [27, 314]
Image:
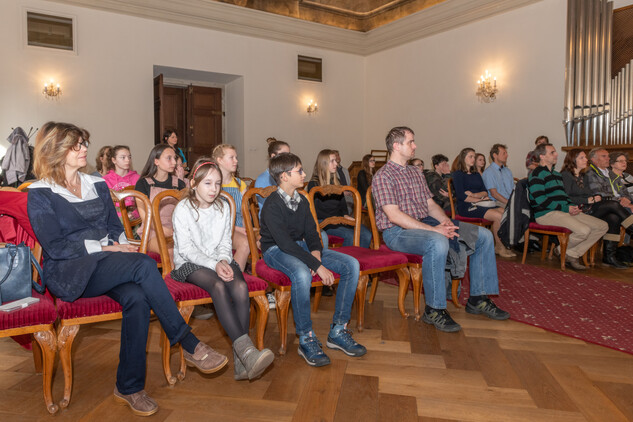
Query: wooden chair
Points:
[372, 261]
[276, 279]
[188, 295]
[477, 221]
[37, 319]
[414, 266]
[95, 309]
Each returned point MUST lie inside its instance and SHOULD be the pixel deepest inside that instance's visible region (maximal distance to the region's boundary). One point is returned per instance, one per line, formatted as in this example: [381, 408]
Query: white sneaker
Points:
[272, 304]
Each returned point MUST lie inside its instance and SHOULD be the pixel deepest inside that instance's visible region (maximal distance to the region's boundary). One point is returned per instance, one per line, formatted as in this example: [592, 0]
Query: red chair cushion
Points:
[559, 229]
[187, 291]
[40, 313]
[413, 259]
[370, 259]
[472, 220]
[277, 277]
[334, 240]
[90, 306]
[155, 256]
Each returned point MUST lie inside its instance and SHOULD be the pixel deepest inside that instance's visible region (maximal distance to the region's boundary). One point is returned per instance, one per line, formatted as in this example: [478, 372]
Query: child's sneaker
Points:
[341, 338]
[310, 349]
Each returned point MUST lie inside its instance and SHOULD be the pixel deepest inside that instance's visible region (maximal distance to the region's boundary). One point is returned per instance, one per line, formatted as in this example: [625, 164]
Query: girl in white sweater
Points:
[203, 256]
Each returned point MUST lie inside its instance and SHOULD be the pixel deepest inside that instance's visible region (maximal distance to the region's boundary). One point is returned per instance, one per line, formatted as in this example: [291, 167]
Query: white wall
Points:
[107, 87]
[430, 85]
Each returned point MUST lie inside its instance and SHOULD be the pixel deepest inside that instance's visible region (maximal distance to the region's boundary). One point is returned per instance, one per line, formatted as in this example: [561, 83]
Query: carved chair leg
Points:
[65, 337]
[261, 304]
[374, 288]
[37, 355]
[545, 245]
[563, 240]
[526, 244]
[455, 292]
[47, 343]
[403, 288]
[165, 352]
[186, 312]
[252, 318]
[318, 290]
[361, 294]
[416, 280]
[283, 302]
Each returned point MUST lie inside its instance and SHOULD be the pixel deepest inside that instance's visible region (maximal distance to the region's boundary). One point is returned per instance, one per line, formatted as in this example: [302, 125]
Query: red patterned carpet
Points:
[594, 310]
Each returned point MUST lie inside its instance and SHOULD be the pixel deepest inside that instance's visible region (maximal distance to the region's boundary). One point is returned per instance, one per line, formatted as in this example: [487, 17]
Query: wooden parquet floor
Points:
[504, 371]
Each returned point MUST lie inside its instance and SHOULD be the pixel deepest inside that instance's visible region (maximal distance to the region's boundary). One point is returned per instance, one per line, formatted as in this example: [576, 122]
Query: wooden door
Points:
[174, 112]
[159, 124]
[204, 121]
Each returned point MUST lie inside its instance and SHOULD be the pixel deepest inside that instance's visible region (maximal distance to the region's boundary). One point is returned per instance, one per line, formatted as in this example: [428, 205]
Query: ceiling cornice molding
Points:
[244, 21]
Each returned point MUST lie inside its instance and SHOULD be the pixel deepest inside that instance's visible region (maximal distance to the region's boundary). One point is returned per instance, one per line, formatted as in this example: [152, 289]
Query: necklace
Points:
[77, 184]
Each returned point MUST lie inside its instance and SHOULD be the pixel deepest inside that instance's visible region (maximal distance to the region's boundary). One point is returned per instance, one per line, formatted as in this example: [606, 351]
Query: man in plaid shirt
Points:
[412, 222]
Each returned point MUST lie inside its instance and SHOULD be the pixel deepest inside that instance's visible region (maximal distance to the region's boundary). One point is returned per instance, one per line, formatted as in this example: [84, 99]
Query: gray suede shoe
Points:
[239, 370]
[255, 361]
[205, 359]
[140, 403]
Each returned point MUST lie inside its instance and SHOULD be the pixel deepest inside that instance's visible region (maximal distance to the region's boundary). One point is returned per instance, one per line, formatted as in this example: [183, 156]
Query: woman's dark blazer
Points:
[61, 230]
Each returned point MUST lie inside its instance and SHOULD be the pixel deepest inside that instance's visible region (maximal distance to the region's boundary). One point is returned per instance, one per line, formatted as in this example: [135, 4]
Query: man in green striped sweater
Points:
[552, 207]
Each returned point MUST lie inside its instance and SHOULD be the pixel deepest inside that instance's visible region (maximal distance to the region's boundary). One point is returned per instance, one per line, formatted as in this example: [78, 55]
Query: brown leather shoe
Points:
[140, 403]
[205, 359]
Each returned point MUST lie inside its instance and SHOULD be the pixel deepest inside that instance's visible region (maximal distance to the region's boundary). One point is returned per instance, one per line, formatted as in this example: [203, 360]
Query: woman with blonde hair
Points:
[325, 173]
[225, 157]
[472, 196]
[86, 254]
[102, 161]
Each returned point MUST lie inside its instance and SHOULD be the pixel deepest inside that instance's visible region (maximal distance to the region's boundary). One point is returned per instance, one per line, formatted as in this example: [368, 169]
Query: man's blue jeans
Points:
[347, 233]
[433, 247]
[301, 278]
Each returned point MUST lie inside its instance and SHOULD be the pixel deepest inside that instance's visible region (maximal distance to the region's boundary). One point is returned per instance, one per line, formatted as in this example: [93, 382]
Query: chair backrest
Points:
[338, 190]
[125, 215]
[375, 235]
[451, 196]
[250, 217]
[119, 197]
[164, 242]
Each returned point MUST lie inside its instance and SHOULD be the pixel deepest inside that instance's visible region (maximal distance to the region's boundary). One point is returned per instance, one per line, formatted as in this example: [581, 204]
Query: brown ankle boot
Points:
[205, 359]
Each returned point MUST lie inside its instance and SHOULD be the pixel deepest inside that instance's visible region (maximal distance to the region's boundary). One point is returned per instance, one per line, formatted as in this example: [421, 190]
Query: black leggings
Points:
[611, 212]
[230, 298]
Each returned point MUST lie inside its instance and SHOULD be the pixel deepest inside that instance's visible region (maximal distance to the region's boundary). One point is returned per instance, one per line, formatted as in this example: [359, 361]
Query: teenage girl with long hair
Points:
[203, 256]
[121, 175]
[225, 157]
[364, 176]
[325, 173]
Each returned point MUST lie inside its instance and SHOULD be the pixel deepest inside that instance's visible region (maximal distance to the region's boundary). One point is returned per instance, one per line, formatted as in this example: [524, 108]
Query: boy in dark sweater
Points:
[291, 244]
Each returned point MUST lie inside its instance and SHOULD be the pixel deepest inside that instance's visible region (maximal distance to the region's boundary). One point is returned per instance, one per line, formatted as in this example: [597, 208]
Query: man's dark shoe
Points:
[441, 319]
[140, 403]
[574, 263]
[488, 308]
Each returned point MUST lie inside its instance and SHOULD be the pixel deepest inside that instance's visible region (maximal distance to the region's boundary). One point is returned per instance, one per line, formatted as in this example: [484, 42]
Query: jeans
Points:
[301, 278]
[133, 280]
[433, 247]
[347, 233]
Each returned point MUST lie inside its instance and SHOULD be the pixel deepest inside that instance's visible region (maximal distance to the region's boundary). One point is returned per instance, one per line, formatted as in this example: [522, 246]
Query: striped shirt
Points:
[404, 186]
[547, 191]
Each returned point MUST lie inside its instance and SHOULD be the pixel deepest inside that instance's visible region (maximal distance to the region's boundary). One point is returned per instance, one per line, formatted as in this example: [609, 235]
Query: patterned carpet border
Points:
[594, 310]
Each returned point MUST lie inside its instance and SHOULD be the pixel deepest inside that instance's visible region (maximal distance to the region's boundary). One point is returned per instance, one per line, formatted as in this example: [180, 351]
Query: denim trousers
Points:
[133, 280]
[301, 278]
[347, 233]
[433, 247]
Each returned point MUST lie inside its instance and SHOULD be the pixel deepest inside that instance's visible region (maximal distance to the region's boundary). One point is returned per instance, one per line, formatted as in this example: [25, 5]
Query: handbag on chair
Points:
[15, 273]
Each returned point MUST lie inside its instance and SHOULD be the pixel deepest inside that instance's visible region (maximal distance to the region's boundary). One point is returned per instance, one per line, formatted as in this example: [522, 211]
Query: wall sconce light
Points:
[487, 88]
[51, 90]
[312, 107]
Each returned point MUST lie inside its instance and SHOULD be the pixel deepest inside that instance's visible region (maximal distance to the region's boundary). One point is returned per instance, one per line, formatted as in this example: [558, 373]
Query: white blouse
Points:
[202, 236]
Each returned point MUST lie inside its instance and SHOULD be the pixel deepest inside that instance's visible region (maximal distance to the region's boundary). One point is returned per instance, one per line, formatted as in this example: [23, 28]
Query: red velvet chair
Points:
[35, 321]
[372, 261]
[414, 267]
[476, 221]
[276, 279]
[188, 295]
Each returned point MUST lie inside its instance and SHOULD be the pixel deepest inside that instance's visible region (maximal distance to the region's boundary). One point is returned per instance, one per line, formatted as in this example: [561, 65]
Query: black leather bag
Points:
[15, 273]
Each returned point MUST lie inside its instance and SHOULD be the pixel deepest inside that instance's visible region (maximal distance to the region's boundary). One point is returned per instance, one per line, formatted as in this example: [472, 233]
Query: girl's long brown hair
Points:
[201, 169]
[321, 173]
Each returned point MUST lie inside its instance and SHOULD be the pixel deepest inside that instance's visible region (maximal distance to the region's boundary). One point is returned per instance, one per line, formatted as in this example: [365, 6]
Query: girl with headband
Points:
[203, 256]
